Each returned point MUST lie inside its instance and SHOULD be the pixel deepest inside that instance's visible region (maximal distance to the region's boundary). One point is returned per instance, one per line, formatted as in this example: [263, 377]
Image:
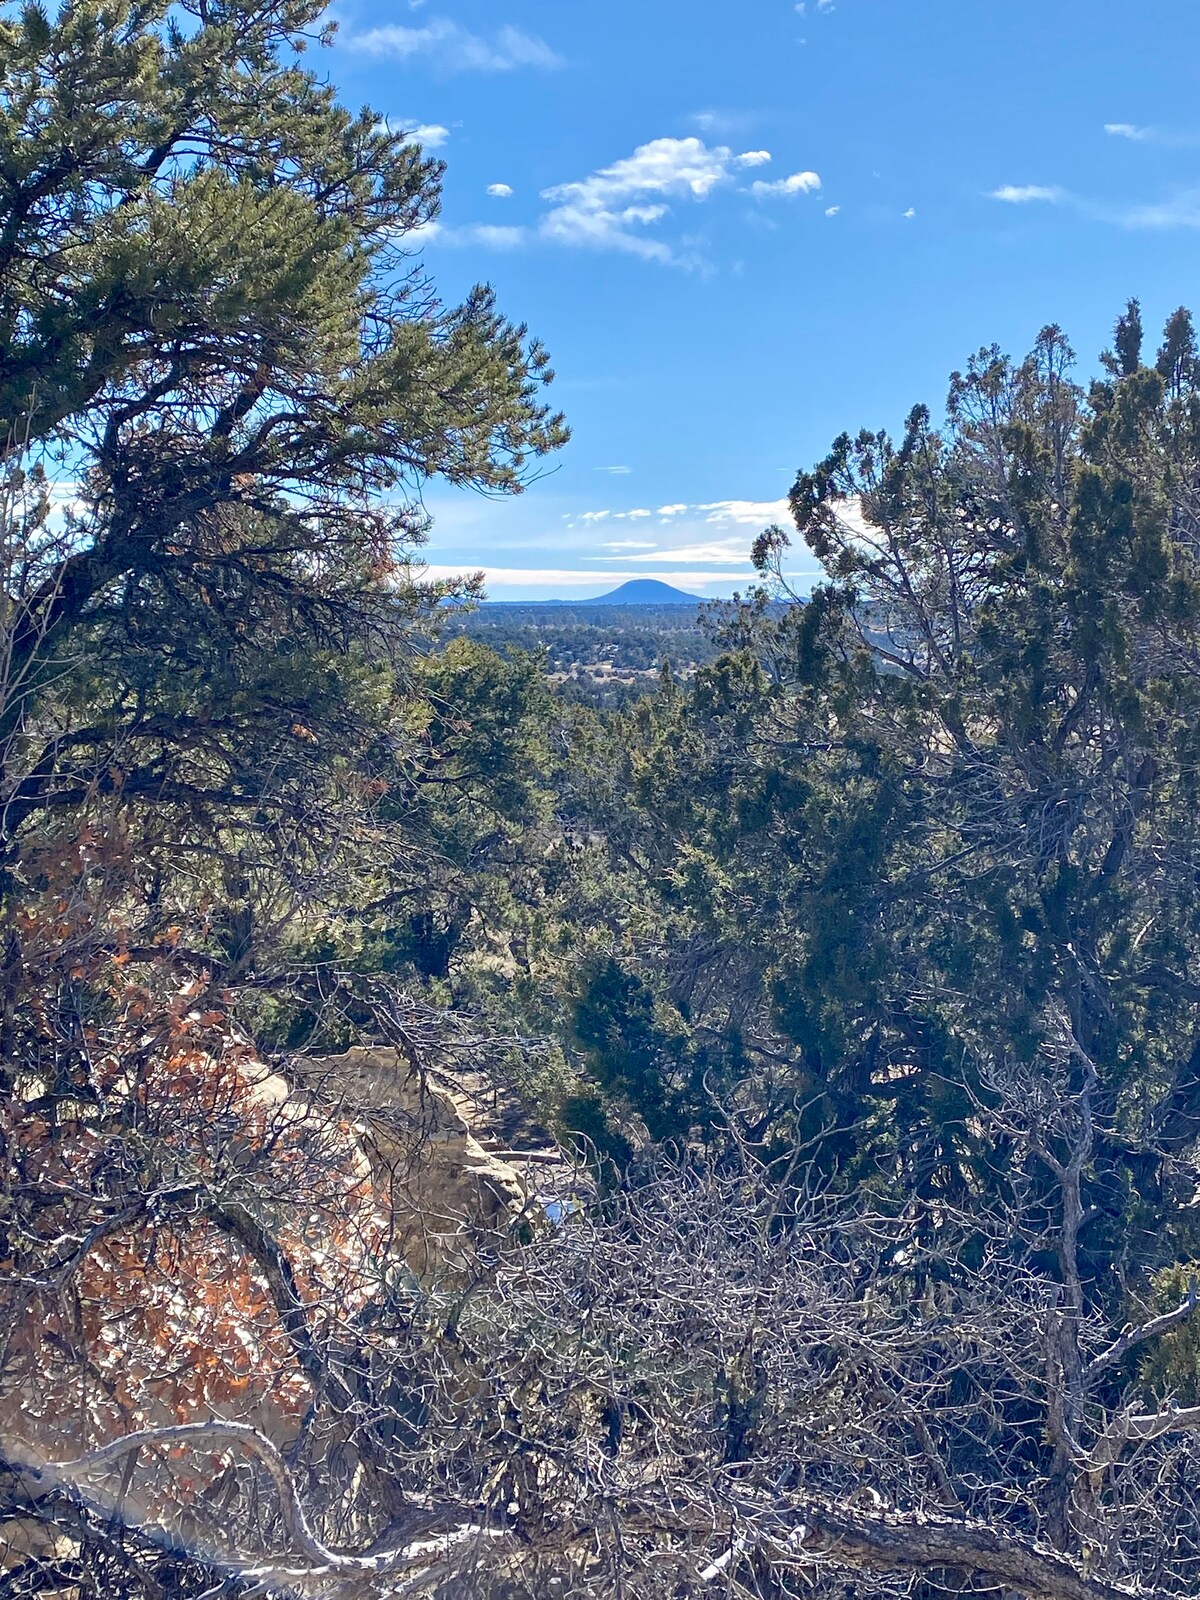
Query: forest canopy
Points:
[457, 1139]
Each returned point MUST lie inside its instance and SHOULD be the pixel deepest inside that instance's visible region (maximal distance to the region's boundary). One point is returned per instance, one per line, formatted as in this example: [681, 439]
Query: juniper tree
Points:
[903, 818]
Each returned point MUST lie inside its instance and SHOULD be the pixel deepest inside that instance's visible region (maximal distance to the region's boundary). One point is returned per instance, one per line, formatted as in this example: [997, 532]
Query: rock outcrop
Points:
[446, 1196]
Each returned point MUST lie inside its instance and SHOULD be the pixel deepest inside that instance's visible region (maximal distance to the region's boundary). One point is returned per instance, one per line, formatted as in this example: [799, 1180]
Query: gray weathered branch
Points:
[1131, 1336]
[323, 1561]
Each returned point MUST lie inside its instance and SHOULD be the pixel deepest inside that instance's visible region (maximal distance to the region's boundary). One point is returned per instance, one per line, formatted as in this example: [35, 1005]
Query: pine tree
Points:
[213, 328]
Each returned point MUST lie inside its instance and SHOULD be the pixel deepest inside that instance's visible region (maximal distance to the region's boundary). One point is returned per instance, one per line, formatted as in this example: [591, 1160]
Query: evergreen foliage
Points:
[900, 830]
[855, 972]
[211, 324]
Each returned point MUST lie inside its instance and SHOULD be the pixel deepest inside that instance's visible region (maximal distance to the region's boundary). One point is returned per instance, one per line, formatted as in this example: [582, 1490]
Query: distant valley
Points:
[608, 650]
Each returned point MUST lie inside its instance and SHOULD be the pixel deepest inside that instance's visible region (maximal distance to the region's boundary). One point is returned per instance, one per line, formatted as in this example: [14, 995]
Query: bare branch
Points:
[1133, 1335]
[924, 1544]
[423, 1553]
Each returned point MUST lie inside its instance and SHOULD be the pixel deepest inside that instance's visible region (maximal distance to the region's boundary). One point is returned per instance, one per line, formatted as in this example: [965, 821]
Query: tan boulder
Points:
[446, 1196]
[26, 1545]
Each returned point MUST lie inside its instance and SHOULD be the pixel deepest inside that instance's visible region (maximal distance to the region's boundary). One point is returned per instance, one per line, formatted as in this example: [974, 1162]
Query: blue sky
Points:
[743, 229]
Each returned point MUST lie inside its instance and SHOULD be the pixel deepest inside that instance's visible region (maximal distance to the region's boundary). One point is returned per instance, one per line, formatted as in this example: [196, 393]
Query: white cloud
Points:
[607, 229]
[628, 544]
[798, 183]
[483, 235]
[500, 191]
[664, 166]
[597, 582]
[605, 209]
[826, 5]
[910, 213]
[1178, 210]
[832, 211]
[616, 472]
[719, 552]
[739, 513]
[1019, 194]
[1127, 130]
[638, 514]
[431, 134]
[758, 512]
[453, 48]
[613, 207]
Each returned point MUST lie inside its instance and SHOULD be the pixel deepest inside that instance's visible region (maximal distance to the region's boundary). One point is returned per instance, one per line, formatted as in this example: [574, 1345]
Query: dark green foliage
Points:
[209, 322]
[900, 837]
[878, 909]
[614, 1021]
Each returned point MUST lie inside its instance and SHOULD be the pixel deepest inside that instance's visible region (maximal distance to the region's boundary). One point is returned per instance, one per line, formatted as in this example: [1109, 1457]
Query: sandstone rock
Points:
[447, 1197]
[27, 1546]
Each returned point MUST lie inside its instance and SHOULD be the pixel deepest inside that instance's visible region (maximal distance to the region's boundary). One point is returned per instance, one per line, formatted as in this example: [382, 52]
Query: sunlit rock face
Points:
[180, 1322]
[445, 1195]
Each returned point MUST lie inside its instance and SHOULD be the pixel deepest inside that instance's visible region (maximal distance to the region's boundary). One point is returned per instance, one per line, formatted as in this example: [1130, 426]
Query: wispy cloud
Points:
[616, 207]
[638, 514]
[731, 513]
[594, 582]
[1140, 133]
[613, 207]
[1020, 194]
[431, 134]
[717, 552]
[756, 512]
[483, 235]
[606, 209]
[797, 183]
[1181, 210]
[1178, 210]
[1128, 130]
[453, 48]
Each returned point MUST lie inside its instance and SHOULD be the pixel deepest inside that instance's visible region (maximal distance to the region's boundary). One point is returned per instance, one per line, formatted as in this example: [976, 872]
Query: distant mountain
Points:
[644, 592]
